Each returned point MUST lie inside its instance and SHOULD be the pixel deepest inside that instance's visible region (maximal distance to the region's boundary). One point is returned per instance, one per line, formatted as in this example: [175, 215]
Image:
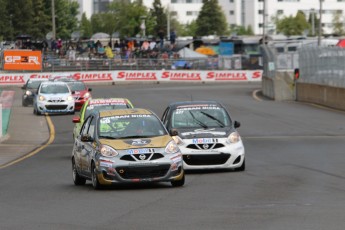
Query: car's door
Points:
[82, 145]
[165, 117]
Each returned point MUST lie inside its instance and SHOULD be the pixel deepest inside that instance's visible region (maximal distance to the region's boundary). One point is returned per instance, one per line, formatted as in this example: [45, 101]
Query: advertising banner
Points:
[22, 60]
[140, 76]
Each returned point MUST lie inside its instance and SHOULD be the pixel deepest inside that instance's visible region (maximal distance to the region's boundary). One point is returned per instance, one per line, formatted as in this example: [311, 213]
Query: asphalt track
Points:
[294, 177]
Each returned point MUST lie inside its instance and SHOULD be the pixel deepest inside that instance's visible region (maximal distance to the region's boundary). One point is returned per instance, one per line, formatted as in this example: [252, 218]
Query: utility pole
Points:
[53, 19]
[264, 23]
[312, 22]
[320, 25]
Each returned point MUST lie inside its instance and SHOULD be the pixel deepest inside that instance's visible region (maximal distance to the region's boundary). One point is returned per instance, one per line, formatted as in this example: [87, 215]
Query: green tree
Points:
[6, 28]
[21, 12]
[241, 30]
[338, 26]
[128, 16]
[293, 25]
[159, 16]
[211, 19]
[66, 18]
[85, 26]
[41, 20]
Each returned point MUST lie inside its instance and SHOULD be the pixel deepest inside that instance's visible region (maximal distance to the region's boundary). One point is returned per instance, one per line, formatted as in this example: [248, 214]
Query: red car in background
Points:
[80, 91]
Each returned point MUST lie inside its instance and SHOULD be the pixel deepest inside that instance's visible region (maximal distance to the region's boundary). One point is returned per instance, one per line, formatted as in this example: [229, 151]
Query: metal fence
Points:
[318, 65]
[322, 65]
[82, 63]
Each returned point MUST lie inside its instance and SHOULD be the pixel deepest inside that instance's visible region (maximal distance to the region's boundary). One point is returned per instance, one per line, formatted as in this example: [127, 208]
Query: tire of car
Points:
[242, 167]
[95, 183]
[178, 183]
[77, 179]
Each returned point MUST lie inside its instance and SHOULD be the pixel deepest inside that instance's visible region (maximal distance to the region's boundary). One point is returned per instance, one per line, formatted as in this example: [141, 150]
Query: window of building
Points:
[280, 12]
[260, 11]
[231, 12]
[260, 25]
[231, 1]
[173, 13]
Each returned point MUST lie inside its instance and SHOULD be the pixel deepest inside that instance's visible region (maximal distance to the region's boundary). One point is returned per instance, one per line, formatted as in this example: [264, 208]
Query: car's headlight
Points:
[41, 98]
[70, 98]
[28, 92]
[234, 137]
[177, 140]
[87, 95]
[108, 151]
[172, 148]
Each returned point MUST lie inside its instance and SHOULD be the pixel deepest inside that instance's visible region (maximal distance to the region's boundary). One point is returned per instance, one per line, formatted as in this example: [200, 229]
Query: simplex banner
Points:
[140, 76]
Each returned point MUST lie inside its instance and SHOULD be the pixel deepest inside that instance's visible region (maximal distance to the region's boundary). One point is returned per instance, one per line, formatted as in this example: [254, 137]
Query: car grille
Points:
[142, 172]
[55, 101]
[56, 107]
[206, 159]
[140, 157]
[205, 146]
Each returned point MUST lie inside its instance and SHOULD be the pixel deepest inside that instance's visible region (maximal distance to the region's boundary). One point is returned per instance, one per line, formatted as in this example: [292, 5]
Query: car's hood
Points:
[55, 95]
[154, 142]
[80, 93]
[204, 133]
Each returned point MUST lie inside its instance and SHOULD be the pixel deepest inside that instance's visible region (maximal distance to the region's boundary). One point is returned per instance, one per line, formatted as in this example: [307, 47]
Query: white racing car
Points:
[206, 135]
[53, 98]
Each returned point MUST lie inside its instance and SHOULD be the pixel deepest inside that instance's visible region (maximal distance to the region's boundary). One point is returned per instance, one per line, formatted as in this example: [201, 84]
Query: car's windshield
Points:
[76, 86]
[33, 84]
[54, 88]
[130, 126]
[98, 107]
[200, 117]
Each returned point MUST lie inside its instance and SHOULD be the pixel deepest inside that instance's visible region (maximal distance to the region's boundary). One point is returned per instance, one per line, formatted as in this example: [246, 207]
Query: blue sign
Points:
[226, 48]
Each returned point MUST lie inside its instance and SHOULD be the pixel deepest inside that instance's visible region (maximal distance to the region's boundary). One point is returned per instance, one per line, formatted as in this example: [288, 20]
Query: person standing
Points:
[161, 37]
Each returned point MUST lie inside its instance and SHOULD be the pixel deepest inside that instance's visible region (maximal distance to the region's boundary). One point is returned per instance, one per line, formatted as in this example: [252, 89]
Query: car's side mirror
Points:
[86, 138]
[90, 89]
[73, 92]
[173, 132]
[76, 119]
[237, 124]
[23, 87]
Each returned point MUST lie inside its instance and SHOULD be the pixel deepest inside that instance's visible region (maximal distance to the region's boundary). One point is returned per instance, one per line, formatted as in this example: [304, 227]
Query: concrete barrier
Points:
[329, 96]
[281, 87]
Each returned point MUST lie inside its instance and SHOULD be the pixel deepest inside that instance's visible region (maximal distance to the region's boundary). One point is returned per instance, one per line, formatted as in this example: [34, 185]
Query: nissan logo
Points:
[205, 146]
[142, 157]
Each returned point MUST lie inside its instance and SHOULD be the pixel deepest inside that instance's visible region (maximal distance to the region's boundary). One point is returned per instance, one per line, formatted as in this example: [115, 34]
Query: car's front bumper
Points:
[117, 171]
[55, 107]
[224, 156]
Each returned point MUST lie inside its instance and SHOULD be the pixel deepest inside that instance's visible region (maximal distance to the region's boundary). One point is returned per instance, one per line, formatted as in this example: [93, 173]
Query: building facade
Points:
[242, 12]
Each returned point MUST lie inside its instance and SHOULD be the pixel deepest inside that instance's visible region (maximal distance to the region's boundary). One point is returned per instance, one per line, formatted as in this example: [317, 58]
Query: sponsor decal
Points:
[105, 164]
[257, 74]
[133, 76]
[107, 102]
[198, 131]
[204, 141]
[12, 79]
[93, 76]
[40, 76]
[140, 151]
[22, 60]
[189, 76]
[176, 158]
[238, 76]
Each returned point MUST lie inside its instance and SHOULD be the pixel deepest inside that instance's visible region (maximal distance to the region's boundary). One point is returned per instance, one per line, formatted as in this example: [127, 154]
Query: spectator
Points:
[153, 44]
[161, 38]
[145, 45]
[172, 39]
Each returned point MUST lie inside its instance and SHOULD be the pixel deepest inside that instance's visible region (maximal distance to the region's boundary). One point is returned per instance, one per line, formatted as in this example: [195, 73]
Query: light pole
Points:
[320, 25]
[312, 22]
[53, 19]
[143, 26]
[264, 23]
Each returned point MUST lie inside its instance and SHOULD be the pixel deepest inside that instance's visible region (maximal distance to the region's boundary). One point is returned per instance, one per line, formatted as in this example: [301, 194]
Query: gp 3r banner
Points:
[22, 60]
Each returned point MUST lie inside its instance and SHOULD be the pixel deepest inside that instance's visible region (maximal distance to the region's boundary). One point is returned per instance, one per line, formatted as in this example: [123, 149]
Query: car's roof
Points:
[194, 104]
[119, 112]
[38, 79]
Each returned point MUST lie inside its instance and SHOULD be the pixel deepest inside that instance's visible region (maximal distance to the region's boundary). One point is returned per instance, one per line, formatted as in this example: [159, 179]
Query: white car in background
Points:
[53, 98]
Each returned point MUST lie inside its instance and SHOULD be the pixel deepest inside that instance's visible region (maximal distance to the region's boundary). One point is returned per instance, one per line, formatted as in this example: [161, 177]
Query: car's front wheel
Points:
[95, 183]
[77, 179]
[178, 183]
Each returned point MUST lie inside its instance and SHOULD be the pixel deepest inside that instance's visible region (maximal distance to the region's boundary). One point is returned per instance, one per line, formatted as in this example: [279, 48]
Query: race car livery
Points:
[206, 135]
[125, 146]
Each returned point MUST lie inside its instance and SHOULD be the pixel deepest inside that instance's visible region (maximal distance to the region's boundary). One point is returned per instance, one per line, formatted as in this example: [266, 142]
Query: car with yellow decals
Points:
[98, 104]
[141, 151]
